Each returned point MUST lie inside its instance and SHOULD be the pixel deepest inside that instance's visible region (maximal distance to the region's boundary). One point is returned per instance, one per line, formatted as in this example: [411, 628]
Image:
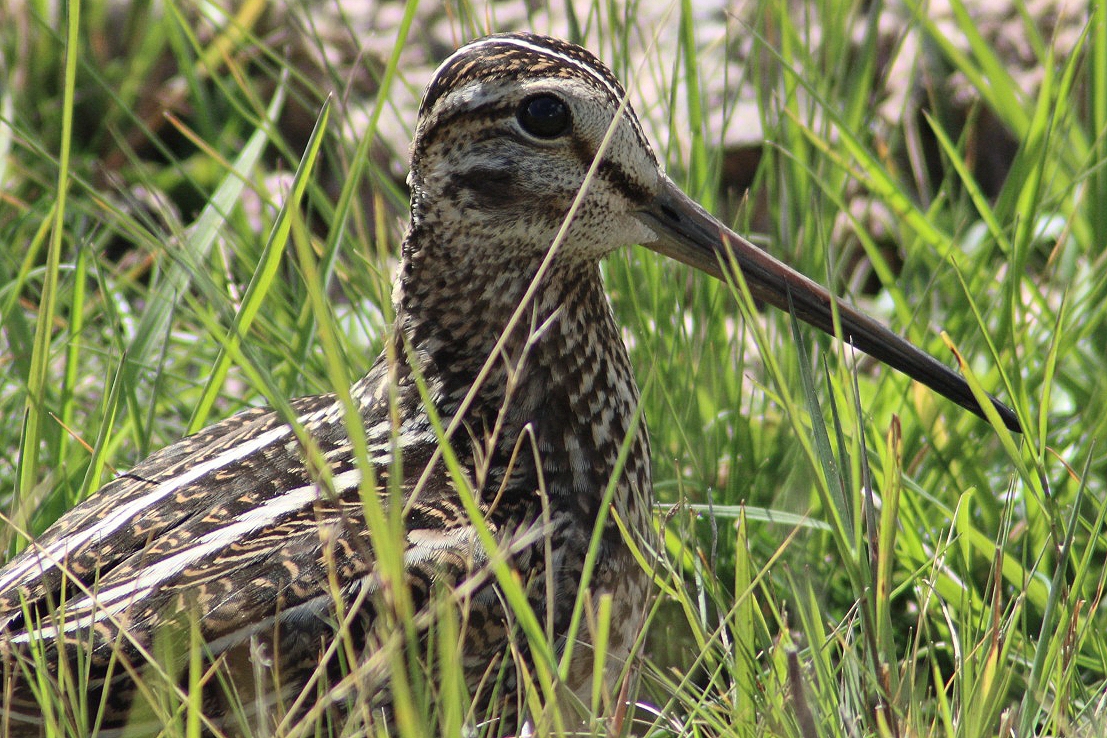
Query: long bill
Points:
[688, 233]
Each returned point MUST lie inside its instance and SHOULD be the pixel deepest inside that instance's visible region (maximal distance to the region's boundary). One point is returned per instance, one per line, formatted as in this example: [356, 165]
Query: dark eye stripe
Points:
[481, 115]
[584, 152]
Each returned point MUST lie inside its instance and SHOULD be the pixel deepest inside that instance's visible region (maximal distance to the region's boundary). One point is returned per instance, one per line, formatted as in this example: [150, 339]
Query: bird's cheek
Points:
[636, 232]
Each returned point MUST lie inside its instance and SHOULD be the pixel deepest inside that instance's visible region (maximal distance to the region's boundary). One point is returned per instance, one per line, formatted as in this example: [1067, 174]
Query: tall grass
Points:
[189, 227]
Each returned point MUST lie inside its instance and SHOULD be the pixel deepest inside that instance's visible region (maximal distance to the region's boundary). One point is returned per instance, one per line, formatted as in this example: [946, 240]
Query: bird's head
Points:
[508, 131]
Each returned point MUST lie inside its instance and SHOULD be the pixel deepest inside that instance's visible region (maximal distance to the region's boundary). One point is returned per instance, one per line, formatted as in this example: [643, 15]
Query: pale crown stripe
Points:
[546, 51]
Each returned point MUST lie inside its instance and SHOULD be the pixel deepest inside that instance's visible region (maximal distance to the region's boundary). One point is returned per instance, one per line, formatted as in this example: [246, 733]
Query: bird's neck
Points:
[558, 386]
[457, 306]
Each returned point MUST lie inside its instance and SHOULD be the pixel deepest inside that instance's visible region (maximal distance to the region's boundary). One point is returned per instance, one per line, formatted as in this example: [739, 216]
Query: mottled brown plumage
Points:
[253, 534]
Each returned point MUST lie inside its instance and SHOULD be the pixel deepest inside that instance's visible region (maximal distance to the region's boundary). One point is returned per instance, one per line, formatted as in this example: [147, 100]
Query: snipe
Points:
[252, 544]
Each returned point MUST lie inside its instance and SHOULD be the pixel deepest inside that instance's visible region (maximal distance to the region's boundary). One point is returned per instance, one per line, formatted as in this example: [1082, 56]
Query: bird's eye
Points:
[543, 116]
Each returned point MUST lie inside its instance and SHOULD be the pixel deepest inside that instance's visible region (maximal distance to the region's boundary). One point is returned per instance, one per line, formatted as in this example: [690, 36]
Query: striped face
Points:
[509, 128]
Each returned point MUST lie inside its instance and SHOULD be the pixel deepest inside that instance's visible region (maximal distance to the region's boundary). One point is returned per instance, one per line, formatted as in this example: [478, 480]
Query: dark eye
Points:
[543, 116]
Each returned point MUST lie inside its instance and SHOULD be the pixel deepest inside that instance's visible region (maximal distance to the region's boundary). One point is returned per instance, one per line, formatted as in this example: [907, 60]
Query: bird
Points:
[270, 568]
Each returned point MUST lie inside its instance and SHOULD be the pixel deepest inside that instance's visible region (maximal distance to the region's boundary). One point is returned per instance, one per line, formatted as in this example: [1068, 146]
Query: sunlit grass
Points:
[847, 553]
